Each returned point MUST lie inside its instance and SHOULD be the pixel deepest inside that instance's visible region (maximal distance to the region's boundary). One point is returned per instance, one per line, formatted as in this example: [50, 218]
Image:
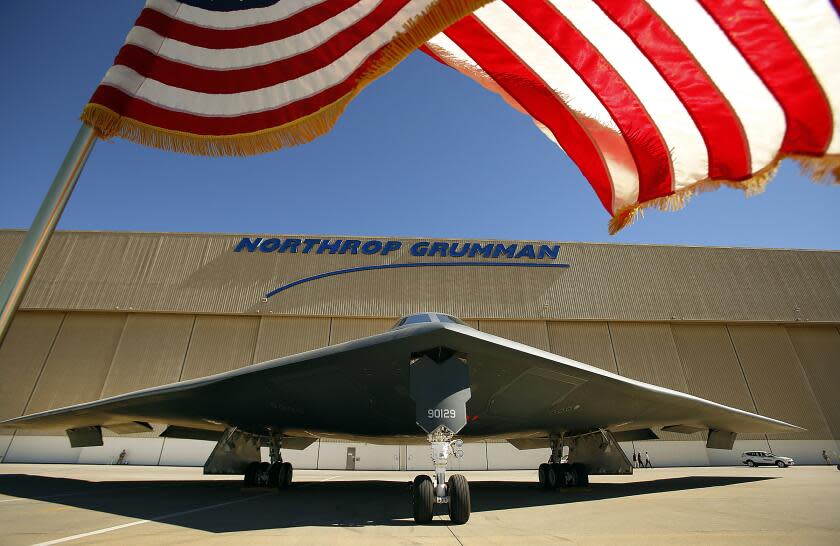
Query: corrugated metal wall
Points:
[201, 273]
[777, 380]
[113, 312]
[818, 349]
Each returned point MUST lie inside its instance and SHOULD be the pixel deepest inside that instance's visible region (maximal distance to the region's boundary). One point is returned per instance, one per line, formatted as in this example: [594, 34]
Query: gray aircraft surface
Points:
[429, 378]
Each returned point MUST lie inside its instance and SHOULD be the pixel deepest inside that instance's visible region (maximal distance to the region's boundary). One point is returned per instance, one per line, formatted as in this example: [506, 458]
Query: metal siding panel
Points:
[710, 364]
[22, 357]
[150, 353]
[818, 349]
[647, 352]
[282, 336]
[587, 342]
[220, 344]
[529, 332]
[343, 329]
[711, 367]
[79, 361]
[777, 380]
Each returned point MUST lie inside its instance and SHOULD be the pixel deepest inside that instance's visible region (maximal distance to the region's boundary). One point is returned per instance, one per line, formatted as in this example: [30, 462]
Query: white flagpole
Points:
[32, 249]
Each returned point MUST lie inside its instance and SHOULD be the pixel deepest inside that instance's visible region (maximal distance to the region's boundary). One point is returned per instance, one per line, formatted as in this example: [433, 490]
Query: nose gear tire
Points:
[459, 499]
[423, 497]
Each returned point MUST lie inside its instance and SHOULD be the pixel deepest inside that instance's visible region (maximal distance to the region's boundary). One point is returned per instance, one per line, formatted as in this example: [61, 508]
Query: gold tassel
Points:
[416, 32]
[820, 168]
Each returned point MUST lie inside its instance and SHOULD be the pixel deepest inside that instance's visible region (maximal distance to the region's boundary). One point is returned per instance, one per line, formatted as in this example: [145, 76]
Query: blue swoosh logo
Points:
[412, 264]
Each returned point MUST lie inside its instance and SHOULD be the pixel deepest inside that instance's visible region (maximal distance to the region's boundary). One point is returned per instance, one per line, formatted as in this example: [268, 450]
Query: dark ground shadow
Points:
[325, 504]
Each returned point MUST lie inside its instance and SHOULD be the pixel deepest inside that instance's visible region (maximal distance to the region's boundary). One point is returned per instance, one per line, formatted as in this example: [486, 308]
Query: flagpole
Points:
[32, 248]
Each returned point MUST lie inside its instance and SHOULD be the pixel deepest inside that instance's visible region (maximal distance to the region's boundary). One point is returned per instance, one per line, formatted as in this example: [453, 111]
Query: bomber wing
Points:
[360, 389]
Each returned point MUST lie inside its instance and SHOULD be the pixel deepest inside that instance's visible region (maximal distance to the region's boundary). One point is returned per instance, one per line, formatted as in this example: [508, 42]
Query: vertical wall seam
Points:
[44, 363]
[746, 381]
[187, 350]
[329, 338]
[257, 340]
[113, 356]
[612, 349]
[679, 356]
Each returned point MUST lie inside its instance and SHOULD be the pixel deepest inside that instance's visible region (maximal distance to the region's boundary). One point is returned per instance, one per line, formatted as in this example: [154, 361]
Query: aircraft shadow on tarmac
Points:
[328, 504]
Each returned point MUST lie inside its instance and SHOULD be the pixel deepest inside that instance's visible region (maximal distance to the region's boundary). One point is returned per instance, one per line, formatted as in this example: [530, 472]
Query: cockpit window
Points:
[416, 319]
[447, 318]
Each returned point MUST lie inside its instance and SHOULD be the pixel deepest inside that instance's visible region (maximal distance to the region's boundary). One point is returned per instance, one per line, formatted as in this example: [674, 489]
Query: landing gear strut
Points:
[455, 492]
[276, 474]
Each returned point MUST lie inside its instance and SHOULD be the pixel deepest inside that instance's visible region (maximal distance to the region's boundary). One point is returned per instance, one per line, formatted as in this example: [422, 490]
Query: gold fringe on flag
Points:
[826, 168]
[415, 33]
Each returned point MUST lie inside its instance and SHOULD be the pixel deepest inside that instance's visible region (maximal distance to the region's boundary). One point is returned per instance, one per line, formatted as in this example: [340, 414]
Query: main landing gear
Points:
[275, 474]
[556, 474]
[454, 492]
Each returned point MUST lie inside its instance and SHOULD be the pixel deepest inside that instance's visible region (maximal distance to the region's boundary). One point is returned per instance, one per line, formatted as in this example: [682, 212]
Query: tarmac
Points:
[53, 504]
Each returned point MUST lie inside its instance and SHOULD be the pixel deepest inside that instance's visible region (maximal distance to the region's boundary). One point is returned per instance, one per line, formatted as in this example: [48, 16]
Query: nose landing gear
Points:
[440, 387]
[455, 492]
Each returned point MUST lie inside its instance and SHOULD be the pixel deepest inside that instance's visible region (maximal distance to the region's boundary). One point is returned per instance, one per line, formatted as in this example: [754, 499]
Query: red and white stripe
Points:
[215, 73]
[652, 97]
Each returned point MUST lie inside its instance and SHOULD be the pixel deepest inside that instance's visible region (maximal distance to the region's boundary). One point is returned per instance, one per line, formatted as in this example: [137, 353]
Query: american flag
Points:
[655, 100]
[238, 77]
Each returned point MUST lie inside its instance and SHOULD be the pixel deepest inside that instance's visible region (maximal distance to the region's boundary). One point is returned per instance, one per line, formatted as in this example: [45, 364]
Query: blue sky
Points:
[422, 152]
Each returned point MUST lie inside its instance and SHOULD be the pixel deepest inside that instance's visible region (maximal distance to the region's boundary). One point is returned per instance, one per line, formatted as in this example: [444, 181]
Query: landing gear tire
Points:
[285, 477]
[781, 464]
[551, 476]
[542, 474]
[250, 479]
[423, 493]
[458, 490]
[274, 474]
[750, 464]
[566, 476]
[558, 475]
[582, 474]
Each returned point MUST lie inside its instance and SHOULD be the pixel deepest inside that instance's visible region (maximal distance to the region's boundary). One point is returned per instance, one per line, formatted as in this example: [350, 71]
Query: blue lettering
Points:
[419, 249]
[483, 250]
[391, 246]
[371, 247]
[291, 245]
[350, 244]
[438, 248]
[526, 252]
[508, 251]
[457, 254]
[270, 245]
[308, 244]
[549, 251]
[246, 242]
[325, 245]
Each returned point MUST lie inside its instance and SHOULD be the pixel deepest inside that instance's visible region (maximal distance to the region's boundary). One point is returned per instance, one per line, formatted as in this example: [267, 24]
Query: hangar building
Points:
[112, 312]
